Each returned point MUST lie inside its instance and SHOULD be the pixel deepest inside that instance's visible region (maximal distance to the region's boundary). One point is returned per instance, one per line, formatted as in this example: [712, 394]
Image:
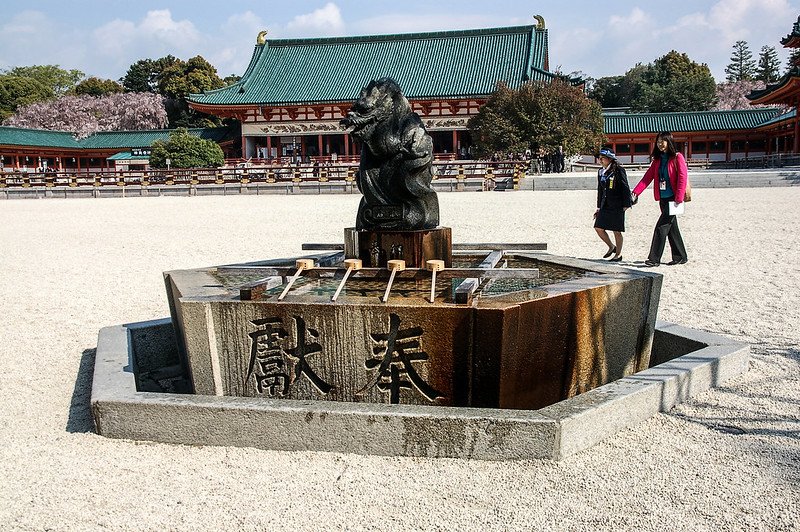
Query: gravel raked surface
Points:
[727, 460]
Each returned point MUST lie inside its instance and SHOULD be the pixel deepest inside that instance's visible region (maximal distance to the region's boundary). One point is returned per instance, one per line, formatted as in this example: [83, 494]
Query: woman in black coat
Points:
[613, 199]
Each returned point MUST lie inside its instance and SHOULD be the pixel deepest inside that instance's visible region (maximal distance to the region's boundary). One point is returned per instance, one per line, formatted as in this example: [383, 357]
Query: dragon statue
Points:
[396, 155]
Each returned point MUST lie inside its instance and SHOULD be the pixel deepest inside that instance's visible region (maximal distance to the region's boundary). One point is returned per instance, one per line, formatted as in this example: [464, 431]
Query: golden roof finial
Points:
[262, 37]
[540, 22]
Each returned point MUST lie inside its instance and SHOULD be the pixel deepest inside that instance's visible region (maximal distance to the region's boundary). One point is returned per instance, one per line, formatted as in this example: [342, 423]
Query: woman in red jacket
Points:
[669, 171]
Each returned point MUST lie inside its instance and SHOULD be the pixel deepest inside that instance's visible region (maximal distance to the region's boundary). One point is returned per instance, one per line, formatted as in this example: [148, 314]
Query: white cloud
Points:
[705, 34]
[115, 37]
[32, 38]
[120, 43]
[25, 24]
[412, 23]
[740, 19]
[157, 31]
[568, 46]
[636, 22]
[231, 48]
[324, 21]
[160, 26]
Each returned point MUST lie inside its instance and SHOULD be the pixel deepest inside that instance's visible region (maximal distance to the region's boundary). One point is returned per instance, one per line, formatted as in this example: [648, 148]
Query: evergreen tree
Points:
[58, 80]
[794, 60]
[674, 82]
[185, 150]
[769, 65]
[145, 74]
[18, 91]
[742, 65]
[537, 115]
[181, 79]
[97, 87]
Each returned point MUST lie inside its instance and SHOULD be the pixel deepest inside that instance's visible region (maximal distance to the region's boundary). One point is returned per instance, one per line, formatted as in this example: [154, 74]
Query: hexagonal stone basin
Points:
[506, 329]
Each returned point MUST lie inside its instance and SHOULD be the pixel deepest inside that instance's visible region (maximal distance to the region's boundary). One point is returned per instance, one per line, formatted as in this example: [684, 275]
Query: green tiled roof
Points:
[127, 156]
[780, 118]
[144, 138]
[17, 136]
[687, 121]
[438, 65]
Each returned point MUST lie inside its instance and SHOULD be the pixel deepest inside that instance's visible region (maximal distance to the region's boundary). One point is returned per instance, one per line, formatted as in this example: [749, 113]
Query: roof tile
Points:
[444, 64]
[616, 123]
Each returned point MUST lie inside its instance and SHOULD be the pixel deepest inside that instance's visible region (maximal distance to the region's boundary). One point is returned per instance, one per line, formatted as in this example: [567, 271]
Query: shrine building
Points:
[32, 150]
[703, 136]
[295, 91]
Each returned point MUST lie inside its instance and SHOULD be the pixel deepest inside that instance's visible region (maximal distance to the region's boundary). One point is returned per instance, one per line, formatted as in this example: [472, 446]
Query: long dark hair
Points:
[613, 163]
[614, 166]
[671, 151]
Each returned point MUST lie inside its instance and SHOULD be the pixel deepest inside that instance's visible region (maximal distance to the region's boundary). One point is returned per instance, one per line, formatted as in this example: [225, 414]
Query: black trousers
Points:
[667, 228]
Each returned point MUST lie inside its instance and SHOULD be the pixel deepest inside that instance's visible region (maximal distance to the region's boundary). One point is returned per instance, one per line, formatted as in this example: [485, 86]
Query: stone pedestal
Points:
[414, 247]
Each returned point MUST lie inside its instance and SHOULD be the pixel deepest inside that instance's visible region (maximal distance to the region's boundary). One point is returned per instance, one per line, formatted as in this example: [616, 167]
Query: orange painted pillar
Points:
[728, 148]
[796, 147]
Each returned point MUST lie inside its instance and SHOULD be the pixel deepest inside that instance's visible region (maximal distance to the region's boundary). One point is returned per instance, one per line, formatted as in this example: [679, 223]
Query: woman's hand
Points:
[595, 213]
[634, 198]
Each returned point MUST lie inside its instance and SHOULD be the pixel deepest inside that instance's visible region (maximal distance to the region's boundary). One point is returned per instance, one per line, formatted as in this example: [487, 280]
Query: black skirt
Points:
[611, 220]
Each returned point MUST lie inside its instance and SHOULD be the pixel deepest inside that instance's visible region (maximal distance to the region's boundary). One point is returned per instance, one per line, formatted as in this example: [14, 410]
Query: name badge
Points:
[662, 185]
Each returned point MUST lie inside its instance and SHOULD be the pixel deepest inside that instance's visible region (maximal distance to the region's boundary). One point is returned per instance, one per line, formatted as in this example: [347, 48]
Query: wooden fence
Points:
[495, 175]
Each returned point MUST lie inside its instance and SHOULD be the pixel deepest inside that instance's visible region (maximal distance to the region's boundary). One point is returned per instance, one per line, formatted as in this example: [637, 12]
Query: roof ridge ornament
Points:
[539, 22]
[262, 37]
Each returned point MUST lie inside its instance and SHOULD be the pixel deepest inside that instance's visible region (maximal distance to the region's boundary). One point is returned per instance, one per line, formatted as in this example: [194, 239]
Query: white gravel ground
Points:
[729, 460]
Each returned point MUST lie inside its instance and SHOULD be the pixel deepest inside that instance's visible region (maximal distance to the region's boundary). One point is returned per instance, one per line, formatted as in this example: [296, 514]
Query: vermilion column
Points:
[796, 148]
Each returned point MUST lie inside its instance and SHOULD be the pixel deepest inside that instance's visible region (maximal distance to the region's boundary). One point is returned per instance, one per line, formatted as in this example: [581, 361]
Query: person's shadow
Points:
[80, 410]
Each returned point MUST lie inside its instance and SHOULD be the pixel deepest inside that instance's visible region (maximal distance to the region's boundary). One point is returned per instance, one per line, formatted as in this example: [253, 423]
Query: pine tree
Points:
[742, 65]
[794, 60]
[769, 65]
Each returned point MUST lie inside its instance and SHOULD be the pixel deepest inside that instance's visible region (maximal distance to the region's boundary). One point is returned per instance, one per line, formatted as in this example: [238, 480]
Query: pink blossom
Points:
[84, 115]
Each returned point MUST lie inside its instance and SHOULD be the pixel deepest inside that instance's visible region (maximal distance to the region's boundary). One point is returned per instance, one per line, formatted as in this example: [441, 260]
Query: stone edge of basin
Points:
[551, 433]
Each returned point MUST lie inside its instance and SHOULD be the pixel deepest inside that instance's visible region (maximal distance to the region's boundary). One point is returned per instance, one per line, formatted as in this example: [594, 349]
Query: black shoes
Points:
[610, 252]
[616, 259]
[650, 264]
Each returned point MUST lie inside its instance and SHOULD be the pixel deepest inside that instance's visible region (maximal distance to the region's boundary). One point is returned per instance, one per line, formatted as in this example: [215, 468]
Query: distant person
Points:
[613, 199]
[547, 161]
[536, 164]
[558, 160]
[670, 171]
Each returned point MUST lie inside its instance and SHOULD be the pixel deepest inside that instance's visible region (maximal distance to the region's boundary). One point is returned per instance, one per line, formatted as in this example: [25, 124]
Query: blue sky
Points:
[104, 37]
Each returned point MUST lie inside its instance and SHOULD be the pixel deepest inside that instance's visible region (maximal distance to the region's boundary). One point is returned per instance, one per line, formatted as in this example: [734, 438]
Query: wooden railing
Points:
[779, 160]
[495, 174]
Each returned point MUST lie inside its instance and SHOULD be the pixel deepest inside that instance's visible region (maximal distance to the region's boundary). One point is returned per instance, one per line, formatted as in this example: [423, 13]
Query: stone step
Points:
[700, 179]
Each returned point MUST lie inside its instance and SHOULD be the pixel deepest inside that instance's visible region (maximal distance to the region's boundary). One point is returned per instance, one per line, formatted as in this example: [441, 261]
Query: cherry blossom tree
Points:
[84, 115]
[733, 95]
